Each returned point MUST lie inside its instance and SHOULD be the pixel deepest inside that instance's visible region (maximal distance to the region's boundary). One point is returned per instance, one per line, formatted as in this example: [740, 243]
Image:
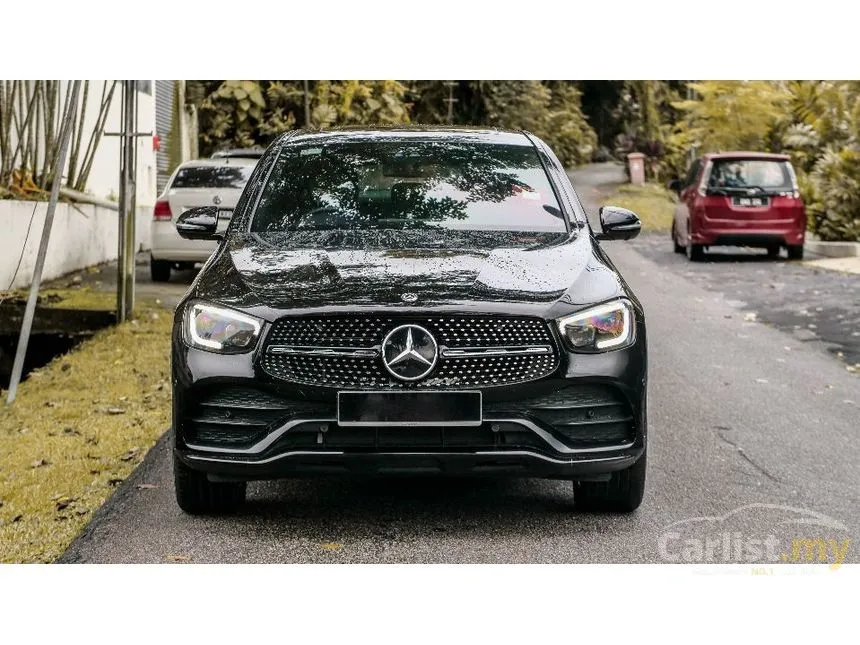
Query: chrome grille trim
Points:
[542, 434]
[267, 441]
[340, 453]
[343, 352]
[471, 352]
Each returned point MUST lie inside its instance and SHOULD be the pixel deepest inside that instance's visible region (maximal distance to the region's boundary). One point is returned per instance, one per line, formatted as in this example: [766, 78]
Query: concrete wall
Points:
[82, 235]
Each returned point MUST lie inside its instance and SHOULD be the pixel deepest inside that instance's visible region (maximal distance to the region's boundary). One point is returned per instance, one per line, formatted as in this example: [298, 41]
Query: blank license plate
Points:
[409, 408]
[750, 202]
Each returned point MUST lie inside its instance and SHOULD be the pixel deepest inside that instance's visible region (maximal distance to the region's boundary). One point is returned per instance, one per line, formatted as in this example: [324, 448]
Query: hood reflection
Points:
[341, 268]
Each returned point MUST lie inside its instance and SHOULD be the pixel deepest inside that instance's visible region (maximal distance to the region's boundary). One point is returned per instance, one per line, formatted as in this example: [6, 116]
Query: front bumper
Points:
[235, 422]
[521, 463]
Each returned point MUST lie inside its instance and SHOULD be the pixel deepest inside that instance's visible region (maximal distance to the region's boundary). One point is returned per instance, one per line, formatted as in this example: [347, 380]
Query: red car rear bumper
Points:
[748, 234]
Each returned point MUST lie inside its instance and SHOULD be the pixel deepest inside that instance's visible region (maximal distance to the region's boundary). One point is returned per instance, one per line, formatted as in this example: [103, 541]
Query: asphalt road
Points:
[745, 420]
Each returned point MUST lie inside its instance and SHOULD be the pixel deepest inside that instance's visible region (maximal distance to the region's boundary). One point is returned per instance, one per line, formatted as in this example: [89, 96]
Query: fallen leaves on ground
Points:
[63, 455]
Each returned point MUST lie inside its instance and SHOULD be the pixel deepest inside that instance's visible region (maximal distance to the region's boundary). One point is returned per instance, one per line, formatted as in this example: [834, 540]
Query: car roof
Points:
[405, 133]
[247, 153]
[746, 155]
[221, 161]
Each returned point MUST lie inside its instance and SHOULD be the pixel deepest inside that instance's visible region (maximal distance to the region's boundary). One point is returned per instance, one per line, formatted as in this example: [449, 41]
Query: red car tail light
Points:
[162, 210]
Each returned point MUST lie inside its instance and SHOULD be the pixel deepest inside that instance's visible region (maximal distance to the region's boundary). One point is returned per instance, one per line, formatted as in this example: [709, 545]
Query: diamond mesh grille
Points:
[449, 331]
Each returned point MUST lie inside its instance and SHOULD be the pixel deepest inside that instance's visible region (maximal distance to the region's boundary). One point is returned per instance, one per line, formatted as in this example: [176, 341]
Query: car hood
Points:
[356, 270]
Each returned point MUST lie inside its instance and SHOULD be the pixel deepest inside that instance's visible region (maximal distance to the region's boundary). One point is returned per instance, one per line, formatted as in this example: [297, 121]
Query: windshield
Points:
[212, 177]
[766, 174]
[408, 184]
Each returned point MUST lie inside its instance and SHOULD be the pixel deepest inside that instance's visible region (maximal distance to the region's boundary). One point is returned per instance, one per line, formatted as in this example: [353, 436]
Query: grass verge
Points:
[651, 202]
[77, 298]
[78, 427]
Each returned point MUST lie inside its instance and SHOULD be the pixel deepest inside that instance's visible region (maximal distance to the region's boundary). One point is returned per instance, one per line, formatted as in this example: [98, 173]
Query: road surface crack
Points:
[747, 458]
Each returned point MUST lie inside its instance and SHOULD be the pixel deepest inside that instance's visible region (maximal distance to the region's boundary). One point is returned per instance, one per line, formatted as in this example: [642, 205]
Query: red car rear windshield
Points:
[767, 174]
[408, 184]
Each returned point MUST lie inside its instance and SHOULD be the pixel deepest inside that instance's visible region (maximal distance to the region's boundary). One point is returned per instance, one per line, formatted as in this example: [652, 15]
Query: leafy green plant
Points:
[645, 113]
[249, 113]
[552, 113]
[732, 115]
[834, 208]
[821, 132]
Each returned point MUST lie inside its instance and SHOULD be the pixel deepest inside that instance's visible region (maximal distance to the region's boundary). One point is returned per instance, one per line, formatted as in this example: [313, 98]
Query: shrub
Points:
[833, 195]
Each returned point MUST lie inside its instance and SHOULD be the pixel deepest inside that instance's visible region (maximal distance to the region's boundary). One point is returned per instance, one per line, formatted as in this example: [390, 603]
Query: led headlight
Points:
[601, 328]
[220, 330]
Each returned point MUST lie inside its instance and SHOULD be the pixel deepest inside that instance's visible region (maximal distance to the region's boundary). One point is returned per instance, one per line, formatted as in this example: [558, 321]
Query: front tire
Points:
[623, 492]
[795, 252]
[196, 495]
[159, 270]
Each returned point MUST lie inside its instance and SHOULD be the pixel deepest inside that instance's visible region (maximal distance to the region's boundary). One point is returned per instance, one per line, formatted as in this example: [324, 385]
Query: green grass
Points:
[77, 428]
[76, 298]
[653, 204]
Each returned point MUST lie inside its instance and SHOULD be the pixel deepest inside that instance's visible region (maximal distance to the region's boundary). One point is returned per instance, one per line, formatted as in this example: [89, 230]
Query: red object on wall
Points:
[156, 143]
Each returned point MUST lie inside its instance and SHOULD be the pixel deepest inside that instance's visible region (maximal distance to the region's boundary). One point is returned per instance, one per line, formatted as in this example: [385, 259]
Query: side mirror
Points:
[199, 224]
[618, 224]
[674, 185]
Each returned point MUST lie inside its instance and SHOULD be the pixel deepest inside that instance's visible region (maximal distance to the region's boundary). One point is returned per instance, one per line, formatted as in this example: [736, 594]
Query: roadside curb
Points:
[833, 249]
[843, 265]
[90, 533]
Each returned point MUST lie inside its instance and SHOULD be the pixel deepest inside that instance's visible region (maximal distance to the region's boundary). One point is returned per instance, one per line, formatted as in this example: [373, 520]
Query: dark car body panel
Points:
[459, 273]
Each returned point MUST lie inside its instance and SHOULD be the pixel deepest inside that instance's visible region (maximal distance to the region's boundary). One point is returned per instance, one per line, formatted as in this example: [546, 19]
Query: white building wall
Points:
[83, 234]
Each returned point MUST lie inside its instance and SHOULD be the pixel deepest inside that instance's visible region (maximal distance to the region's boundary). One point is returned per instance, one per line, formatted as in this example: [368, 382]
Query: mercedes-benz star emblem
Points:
[409, 352]
[216, 200]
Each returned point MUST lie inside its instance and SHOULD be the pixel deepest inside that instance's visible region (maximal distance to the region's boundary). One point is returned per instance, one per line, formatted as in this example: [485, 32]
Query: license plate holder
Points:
[418, 409]
[751, 202]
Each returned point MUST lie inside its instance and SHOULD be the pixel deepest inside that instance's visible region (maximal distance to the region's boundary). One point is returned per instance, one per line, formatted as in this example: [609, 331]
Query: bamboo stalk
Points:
[55, 144]
[38, 125]
[29, 160]
[50, 110]
[79, 185]
[4, 144]
[76, 141]
[96, 136]
[22, 134]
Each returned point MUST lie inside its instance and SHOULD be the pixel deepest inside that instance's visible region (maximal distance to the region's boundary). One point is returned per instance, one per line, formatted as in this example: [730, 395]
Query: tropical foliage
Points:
[821, 131]
[727, 115]
[245, 113]
[816, 122]
[645, 115]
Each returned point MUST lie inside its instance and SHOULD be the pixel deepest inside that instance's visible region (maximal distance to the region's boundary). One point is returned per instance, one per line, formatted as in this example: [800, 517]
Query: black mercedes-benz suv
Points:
[409, 301]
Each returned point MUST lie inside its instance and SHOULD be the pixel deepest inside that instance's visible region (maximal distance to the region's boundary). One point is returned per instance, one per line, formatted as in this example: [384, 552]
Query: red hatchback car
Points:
[739, 199]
